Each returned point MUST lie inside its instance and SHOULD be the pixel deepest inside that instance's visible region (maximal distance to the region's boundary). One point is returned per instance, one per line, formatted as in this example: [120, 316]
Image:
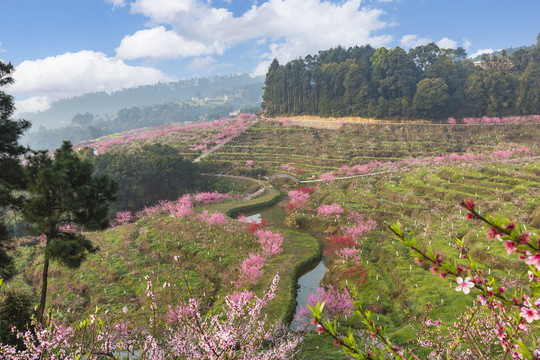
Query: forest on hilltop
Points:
[427, 82]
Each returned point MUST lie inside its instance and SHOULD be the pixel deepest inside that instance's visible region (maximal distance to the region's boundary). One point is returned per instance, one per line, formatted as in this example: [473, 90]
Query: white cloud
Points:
[162, 11]
[261, 69]
[33, 104]
[466, 44]
[72, 74]
[207, 63]
[291, 28]
[480, 52]
[117, 3]
[162, 44]
[446, 43]
[412, 41]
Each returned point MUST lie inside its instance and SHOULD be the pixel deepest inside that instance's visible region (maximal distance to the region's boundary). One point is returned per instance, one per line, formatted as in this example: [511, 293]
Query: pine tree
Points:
[63, 195]
[11, 178]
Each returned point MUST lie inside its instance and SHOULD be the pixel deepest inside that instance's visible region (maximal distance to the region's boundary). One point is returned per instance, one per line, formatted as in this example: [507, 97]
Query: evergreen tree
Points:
[11, 175]
[64, 194]
[431, 98]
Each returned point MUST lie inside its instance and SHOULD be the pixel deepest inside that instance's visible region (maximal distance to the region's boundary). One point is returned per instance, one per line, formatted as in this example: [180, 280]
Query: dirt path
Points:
[218, 146]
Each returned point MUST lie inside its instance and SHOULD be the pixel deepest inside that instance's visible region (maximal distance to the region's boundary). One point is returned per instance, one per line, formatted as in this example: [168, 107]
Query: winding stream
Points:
[309, 282]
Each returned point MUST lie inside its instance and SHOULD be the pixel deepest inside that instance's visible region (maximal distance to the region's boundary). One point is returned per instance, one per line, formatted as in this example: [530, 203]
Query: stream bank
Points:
[307, 275]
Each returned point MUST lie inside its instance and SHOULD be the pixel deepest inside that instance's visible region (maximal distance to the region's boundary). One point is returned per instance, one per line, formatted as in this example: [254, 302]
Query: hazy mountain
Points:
[104, 105]
[86, 126]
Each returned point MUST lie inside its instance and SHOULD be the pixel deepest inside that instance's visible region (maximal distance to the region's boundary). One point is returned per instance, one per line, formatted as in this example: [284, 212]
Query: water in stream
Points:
[309, 282]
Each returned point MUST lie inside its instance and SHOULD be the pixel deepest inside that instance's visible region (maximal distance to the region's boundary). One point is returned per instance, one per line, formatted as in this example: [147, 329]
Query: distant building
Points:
[480, 63]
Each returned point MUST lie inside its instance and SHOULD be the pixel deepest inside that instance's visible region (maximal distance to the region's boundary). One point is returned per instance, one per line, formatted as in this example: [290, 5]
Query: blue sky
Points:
[63, 48]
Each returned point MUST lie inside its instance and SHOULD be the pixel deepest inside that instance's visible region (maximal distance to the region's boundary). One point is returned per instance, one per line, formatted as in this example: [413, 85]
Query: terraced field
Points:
[426, 171]
[414, 173]
[426, 201]
[306, 152]
[190, 140]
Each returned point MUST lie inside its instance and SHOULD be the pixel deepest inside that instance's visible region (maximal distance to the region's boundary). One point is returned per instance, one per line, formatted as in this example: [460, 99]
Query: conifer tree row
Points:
[427, 82]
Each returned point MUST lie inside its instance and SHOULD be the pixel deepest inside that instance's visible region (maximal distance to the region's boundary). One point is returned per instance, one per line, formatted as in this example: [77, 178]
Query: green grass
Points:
[209, 258]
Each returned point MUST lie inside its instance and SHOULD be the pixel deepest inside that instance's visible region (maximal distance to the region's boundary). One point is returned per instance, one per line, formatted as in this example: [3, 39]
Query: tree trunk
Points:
[43, 298]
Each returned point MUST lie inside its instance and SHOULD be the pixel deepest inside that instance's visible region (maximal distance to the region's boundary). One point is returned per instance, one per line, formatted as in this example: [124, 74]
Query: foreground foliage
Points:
[239, 330]
[503, 323]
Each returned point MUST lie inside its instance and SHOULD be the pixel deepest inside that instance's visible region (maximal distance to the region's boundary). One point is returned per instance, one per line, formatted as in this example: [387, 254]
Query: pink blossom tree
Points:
[333, 210]
[182, 207]
[327, 177]
[250, 270]
[298, 199]
[123, 217]
[212, 219]
[270, 242]
[207, 198]
[239, 330]
[359, 226]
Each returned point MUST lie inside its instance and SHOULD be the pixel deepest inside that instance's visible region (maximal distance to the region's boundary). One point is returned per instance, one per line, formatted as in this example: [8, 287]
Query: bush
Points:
[15, 311]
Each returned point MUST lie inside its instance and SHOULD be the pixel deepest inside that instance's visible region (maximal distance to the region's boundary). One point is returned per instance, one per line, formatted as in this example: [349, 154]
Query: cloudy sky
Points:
[63, 48]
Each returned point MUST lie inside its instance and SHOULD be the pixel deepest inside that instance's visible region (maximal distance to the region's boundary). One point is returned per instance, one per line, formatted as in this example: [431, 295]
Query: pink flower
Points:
[492, 233]
[464, 285]
[124, 217]
[524, 238]
[270, 242]
[529, 314]
[470, 204]
[482, 299]
[510, 247]
[298, 198]
[534, 260]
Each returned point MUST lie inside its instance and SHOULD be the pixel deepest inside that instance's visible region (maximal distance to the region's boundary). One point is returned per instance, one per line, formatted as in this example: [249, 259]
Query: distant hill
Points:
[86, 126]
[104, 105]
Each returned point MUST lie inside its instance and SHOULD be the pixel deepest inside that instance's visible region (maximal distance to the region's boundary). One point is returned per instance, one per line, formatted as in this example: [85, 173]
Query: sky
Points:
[65, 48]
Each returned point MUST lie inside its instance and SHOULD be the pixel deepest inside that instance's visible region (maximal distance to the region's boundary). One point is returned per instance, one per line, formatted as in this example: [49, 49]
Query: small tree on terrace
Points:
[63, 193]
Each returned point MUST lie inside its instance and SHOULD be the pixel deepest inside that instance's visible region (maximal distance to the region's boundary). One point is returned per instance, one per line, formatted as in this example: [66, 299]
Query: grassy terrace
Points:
[314, 151]
[426, 202]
